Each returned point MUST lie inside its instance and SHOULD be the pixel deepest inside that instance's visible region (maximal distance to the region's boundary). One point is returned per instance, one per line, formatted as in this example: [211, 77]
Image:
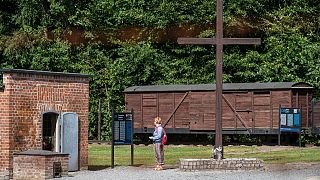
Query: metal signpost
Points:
[122, 132]
[219, 41]
[289, 121]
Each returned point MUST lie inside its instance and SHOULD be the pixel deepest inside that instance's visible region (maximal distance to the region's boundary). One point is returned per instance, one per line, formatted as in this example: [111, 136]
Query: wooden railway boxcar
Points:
[247, 108]
[316, 116]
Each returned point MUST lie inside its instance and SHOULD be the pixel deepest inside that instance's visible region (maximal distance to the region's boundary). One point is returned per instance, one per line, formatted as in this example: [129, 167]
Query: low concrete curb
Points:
[224, 164]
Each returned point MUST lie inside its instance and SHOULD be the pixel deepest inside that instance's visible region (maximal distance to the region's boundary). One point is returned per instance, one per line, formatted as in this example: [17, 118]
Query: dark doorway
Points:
[50, 135]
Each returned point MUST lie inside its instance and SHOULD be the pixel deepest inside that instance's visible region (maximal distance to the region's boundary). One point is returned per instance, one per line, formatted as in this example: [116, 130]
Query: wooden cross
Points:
[219, 41]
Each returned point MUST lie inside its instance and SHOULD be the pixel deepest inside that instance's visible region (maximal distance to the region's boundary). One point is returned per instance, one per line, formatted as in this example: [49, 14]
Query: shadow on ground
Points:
[97, 168]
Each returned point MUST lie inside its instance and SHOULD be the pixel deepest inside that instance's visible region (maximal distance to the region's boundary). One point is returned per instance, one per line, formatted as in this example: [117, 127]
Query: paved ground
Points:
[139, 173]
[289, 171]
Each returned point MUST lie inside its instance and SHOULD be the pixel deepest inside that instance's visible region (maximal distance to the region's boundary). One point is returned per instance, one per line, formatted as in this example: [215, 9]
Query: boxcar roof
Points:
[226, 87]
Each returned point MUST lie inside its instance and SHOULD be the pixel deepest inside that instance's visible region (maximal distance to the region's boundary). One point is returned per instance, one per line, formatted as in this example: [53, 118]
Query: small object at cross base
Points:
[218, 153]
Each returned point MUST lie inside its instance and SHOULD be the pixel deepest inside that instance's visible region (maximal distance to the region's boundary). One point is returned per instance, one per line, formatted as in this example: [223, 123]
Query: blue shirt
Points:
[157, 135]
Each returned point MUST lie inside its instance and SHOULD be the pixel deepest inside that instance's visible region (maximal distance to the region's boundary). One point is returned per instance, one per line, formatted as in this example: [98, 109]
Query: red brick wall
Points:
[6, 136]
[25, 97]
[29, 167]
[37, 167]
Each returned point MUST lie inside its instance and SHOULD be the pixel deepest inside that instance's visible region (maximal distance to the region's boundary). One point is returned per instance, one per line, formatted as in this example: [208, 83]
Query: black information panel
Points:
[122, 132]
[122, 128]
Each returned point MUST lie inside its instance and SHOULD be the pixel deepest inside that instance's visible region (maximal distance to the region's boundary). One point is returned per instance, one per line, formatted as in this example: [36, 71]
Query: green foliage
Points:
[95, 59]
[309, 138]
[6, 13]
[142, 58]
[52, 14]
[290, 50]
[189, 64]
[29, 50]
[148, 13]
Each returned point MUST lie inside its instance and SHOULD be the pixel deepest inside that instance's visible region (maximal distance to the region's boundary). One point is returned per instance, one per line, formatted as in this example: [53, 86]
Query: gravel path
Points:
[139, 173]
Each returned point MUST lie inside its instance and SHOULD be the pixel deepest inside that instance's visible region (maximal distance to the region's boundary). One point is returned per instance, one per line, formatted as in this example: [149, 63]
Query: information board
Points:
[122, 132]
[122, 128]
[290, 119]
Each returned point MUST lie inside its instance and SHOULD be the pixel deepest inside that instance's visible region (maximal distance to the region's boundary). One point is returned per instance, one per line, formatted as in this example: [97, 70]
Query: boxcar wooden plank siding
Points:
[301, 100]
[316, 114]
[166, 106]
[199, 104]
[246, 107]
[261, 109]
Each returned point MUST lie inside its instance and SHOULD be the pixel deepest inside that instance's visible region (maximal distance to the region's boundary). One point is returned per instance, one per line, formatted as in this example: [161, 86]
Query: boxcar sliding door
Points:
[262, 110]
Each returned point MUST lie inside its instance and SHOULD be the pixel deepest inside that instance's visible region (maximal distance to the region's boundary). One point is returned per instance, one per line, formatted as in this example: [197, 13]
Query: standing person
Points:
[157, 142]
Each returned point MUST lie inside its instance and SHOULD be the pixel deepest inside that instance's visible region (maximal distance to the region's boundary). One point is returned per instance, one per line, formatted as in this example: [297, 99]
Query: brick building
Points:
[42, 110]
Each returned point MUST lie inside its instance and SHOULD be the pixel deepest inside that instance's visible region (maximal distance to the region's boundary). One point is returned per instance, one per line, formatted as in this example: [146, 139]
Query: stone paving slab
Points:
[223, 164]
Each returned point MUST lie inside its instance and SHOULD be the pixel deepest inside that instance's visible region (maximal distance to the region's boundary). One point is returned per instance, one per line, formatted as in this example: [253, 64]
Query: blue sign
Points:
[122, 128]
[297, 130]
[290, 120]
[122, 133]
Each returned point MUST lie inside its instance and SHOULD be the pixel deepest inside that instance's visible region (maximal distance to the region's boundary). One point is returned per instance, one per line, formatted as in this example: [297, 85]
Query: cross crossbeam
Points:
[225, 41]
[219, 41]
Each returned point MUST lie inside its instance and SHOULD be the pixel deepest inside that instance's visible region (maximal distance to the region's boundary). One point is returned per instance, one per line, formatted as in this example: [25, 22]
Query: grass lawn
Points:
[100, 155]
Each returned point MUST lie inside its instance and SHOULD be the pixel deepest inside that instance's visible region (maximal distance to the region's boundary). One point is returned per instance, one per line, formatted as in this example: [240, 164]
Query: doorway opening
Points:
[50, 131]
